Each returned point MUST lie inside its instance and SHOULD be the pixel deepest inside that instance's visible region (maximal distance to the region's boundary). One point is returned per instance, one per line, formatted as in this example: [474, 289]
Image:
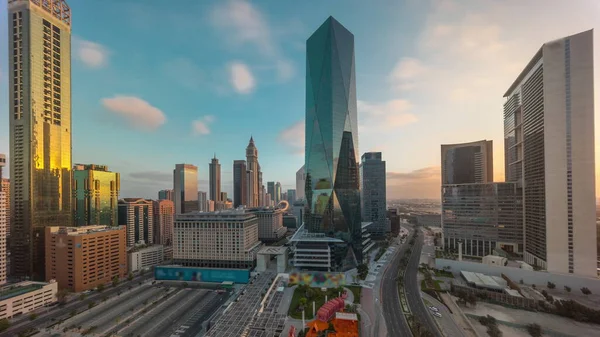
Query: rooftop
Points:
[484, 281]
[21, 288]
[303, 234]
[84, 230]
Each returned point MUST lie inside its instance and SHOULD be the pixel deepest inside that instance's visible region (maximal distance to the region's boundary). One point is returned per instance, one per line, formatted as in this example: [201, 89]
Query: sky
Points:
[156, 83]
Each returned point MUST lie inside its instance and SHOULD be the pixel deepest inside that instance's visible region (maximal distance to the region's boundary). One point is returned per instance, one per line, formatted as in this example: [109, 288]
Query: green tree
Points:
[568, 289]
[91, 304]
[130, 276]
[82, 297]
[115, 281]
[551, 285]
[32, 316]
[302, 302]
[535, 330]
[73, 313]
[4, 324]
[100, 287]
[586, 291]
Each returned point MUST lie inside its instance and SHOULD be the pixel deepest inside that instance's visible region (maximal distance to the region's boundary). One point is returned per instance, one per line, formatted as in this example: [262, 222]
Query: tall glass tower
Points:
[39, 44]
[332, 175]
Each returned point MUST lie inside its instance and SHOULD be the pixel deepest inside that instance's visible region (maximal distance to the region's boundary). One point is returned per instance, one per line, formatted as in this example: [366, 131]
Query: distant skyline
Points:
[145, 98]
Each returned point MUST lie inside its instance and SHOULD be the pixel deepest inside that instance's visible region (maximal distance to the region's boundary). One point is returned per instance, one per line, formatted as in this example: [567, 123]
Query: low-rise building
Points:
[270, 223]
[224, 239]
[23, 297]
[81, 258]
[145, 257]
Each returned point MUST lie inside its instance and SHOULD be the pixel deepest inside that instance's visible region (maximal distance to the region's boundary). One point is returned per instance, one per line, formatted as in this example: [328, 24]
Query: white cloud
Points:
[200, 127]
[293, 137]
[384, 116]
[241, 78]
[406, 73]
[243, 24]
[136, 111]
[92, 54]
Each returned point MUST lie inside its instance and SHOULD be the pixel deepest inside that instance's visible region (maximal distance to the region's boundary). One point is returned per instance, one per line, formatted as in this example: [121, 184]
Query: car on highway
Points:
[437, 314]
[434, 309]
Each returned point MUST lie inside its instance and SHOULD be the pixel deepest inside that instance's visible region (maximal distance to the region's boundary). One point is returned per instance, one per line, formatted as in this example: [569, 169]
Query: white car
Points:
[434, 309]
[437, 314]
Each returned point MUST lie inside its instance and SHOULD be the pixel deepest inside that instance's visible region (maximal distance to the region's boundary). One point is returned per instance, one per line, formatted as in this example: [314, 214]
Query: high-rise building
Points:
[270, 223]
[300, 183]
[271, 189]
[185, 186]
[373, 192]
[468, 163]
[96, 194]
[252, 169]
[137, 215]
[165, 195]
[394, 219]
[223, 197]
[484, 217]
[39, 40]
[261, 188]
[291, 196]
[225, 239]
[331, 154]
[214, 169]
[549, 143]
[163, 219]
[277, 192]
[239, 183]
[202, 202]
[96, 254]
[4, 218]
[2, 164]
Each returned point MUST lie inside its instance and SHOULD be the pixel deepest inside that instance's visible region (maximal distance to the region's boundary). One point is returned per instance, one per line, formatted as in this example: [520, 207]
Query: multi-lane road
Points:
[57, 313]
[390, 299]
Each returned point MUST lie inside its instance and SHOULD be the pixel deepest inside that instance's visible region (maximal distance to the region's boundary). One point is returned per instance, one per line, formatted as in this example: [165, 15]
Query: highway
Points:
[413, 290]
[390, 299]
[56, 313]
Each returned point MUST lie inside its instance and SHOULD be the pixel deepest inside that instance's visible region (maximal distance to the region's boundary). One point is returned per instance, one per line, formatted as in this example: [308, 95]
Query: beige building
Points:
[164, 218]
[23, 297]
[81, 258]
[138, 216]
[549, 149]
[225, 239]
[270, 224]
[145, 257]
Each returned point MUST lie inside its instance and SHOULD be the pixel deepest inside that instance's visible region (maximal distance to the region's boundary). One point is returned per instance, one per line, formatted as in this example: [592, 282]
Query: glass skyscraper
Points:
[185, 187]
[39, 45]
[331, 153]
[96, 193]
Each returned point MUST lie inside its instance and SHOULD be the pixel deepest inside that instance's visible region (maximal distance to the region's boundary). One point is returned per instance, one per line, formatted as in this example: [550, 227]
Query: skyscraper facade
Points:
[96, 193]
[331, 154]
[163, 219]
[165, 195]
[271, 189]
[203, 202]
[4, 219]
[138, 217]
[214, 169]
[373, 192]
[549, 144]
[185, 187]
[39, 39]
[239, 183]
[277, 192]
[468, 163]
[300, 183]
[252, 169]
[291, 196]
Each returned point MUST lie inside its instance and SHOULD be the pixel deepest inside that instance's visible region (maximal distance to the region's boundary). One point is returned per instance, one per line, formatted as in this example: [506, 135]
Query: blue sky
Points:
[155, 83]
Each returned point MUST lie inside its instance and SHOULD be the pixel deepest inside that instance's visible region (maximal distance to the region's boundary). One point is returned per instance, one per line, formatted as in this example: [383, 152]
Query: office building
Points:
[239, 183]
[139, 258]
[271, 189]
[252, 174]
[300, 183]
[165, 195]
[468, 163]
[185, 187]
[291, 196]
[270, 224]
[549, 144]
[2, 164]
[96, 194]
[394, 218]
[39, 73]
[268, 200]
[95, 255]
[202, 202]
[5, 188]
[331, 154]
[163, 220]
[18, 299]
[225, 239]
[373, 192]
[261, 188]
[484, 217]
[137, 215]
[4, 216]
[214, 181]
